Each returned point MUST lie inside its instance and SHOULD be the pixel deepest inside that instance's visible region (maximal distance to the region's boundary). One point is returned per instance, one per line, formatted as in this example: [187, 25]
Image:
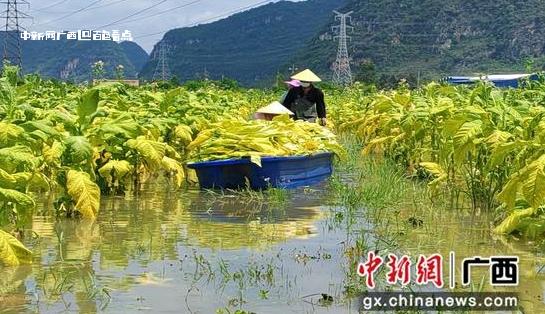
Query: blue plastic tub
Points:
[279, 172]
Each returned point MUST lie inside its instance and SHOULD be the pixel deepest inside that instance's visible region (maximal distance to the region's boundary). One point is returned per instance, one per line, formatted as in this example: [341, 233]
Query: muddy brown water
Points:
[196, 252]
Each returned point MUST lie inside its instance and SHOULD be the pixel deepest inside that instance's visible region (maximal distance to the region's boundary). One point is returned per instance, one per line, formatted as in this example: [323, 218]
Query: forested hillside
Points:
[416, 40]
[72, 60]
[136, 54]
[431, 39]
[250, 46]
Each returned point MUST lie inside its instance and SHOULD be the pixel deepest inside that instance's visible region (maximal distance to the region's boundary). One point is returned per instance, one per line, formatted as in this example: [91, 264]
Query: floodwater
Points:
[183, 252]
[201, 252]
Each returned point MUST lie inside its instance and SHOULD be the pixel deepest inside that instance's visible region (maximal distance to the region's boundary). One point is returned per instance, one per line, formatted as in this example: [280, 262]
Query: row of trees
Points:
[99, 72]
[366, 73]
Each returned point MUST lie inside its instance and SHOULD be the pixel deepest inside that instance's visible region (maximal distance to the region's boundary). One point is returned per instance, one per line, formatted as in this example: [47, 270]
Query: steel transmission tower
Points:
[162, 70]
[342, 74]
[12, 36]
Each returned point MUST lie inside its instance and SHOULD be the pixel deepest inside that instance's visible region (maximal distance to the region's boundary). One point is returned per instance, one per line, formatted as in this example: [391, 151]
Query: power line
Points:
[89, 9]
[106, 5]
[265, 50]
[283, 56]
[244, 54]
[133, 14]
[51, 5]
[209, 19]
[71, 13]
[232, 12]
[165, 11]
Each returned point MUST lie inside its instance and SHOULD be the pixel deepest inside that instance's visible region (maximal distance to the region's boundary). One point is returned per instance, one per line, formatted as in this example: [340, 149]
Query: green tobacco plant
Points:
[480, 144]
[72, 140]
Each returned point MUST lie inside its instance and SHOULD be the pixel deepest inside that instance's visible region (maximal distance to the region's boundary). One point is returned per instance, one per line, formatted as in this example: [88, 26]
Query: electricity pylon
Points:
[342, 74]
[162, 70]
[12, 36]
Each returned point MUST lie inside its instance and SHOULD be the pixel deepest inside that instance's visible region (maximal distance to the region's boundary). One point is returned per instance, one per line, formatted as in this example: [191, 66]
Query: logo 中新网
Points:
[503, 270]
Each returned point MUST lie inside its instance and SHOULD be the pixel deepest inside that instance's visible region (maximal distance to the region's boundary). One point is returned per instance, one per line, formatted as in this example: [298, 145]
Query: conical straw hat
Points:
[306, 76]
[275, 108]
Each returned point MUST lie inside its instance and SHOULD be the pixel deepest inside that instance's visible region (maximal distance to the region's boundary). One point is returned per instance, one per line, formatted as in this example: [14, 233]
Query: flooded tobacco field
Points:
[195, 251]
[279, 251]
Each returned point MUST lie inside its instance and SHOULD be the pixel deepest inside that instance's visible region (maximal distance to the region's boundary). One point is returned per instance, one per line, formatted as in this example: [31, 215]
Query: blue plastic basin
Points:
[279, 172]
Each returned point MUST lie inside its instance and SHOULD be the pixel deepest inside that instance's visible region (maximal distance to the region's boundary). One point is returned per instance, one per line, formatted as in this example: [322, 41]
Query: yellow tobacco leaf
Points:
[175, 167]
[12, 251]
[84, 192]
[117, 168]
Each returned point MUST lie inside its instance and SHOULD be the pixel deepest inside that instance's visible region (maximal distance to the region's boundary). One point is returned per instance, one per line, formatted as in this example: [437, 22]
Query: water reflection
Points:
[77, 264]
[191, 250]
[468, 236]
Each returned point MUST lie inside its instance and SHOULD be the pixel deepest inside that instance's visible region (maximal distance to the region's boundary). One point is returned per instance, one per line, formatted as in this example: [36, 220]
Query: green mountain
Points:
[136, 54]
[250, 47]
[430, 39]
[72, 60]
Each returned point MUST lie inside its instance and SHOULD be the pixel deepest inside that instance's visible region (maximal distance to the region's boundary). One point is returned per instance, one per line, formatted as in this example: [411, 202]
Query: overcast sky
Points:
[147, 20]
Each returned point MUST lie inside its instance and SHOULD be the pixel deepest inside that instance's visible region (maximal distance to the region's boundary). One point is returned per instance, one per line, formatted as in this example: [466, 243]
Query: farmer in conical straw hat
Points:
[272, 110]
[306, 101]
[291, 84]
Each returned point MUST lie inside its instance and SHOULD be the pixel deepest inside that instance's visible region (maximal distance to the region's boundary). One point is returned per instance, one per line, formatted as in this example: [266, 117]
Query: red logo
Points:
[430, 269]
[369, 268]
[504, 270]
[399, 270]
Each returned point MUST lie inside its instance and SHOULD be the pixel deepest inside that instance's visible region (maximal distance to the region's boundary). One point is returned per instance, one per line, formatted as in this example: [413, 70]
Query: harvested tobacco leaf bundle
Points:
[237, 138]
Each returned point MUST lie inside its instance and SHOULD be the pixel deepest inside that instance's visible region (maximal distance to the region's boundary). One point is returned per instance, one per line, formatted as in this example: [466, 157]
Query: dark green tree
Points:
[366, 72]
[174, 81]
